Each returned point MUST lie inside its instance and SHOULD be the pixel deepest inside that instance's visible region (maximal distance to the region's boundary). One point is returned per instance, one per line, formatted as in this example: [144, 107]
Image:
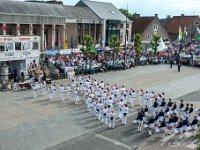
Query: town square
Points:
[95, 75]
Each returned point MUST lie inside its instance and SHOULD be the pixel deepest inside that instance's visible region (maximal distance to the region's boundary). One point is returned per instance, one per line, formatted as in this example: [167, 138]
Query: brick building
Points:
[190, 23]
[84, 22]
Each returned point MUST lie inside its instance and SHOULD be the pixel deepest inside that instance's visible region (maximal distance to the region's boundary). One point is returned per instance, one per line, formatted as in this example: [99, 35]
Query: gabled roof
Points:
[104, 10]
[172, 26]
[140, 24]
[33, 8]
[82, 13]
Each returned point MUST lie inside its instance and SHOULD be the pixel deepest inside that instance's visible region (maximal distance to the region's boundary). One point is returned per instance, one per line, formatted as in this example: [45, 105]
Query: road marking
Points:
[113, 141]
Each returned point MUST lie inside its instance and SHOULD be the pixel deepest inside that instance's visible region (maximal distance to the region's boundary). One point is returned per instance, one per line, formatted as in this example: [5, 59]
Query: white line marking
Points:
[113, 141]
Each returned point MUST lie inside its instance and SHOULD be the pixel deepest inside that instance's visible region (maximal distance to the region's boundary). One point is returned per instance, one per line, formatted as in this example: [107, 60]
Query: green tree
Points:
[114, 44]
[127, 13]
[197, 137]
[88, 49]
[137, 39]
[155, 43]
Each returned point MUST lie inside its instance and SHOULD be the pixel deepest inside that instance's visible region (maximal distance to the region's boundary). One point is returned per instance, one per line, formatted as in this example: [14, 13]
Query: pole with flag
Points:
[185, 33]
[59, 42]
[125, 40]
[198, 30]
[180, 34]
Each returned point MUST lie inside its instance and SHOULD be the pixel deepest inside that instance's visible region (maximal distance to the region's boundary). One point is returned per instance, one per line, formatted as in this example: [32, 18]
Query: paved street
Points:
[28, 124]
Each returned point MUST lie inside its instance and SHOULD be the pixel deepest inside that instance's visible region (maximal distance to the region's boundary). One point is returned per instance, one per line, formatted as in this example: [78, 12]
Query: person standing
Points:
[124, 113]
[62, 91]
[179, 67]
[34, 91]
[171, 62]
[43, 86]
[112, 119]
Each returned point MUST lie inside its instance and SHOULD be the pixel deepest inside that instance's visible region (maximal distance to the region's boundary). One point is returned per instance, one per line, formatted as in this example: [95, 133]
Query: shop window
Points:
[35, 45]
[10, 46]
[18, 46]
[2, 47]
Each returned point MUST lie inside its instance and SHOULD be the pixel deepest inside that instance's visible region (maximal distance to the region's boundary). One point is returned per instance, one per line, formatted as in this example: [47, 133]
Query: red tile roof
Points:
[172, 26]
[140, 24]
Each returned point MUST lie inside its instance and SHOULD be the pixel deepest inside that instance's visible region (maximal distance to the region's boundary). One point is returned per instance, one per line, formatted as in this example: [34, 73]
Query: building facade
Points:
[147, 27]
[189, 24]
[112, 20]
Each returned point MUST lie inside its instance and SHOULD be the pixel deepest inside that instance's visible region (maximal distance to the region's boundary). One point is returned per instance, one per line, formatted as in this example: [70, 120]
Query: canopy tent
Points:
[161, 46]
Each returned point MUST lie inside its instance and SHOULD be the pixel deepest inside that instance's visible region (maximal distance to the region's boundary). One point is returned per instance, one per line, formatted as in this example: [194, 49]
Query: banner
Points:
[66, 42]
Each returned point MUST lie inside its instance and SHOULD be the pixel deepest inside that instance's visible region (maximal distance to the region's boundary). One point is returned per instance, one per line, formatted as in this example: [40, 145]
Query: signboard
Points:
[19, 39]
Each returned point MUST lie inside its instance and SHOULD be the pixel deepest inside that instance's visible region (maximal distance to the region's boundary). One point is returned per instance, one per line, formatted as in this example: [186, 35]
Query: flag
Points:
[59, 42]
[45, 41]
[180, 34]
[66, 42]
[185, 31]
[198, 30]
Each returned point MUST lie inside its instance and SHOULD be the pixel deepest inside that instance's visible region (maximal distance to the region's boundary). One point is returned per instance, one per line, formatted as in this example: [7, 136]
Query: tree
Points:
[114, 44]
[88, 49]
[197, 137]
[155, 43]
[127, 13]
[137, 39]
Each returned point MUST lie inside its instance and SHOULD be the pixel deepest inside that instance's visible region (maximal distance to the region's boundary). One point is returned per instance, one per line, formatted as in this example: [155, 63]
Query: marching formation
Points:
[109, 103]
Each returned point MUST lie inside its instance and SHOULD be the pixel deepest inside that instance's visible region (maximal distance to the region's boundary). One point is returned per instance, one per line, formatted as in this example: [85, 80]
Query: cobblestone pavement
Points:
[35, 124]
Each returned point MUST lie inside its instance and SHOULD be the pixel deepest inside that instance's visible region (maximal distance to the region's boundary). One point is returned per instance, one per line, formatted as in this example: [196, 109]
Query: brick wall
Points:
[72, 31]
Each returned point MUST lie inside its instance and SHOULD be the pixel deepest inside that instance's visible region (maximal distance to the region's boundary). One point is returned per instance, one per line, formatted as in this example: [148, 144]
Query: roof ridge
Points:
[96, 1]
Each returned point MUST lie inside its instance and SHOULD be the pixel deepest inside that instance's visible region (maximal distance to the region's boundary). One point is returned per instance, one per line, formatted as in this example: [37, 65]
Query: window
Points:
[26, 45]
[18, 46]
[8, 31]
[155, 32]
[34, 31]
[2, 46]
[35, 45]
[155, 27]
[79, 26]
[86, 26]
[22, 32]
[149, 36]
[10, 46]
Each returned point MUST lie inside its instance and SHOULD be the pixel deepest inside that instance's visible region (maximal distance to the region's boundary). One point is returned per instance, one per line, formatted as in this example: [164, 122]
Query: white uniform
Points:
[124, 113]
[50, 93]
[62, 92]
[34, 91]
[76, 96]
[104, 115]
[120, 106]
[43, 85]
[145, 98]
[54, 91]
[111, 115]
[132, 99]
[151, 99]
[99, 107]
[140, 97]
[68, 88]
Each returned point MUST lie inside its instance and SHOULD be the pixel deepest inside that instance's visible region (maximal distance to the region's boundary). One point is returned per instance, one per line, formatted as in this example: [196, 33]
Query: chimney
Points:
[137, 16]
[182, 15]
[156, 15]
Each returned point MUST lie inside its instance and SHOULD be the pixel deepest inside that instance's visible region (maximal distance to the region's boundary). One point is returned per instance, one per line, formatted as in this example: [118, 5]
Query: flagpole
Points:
[125, 40]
